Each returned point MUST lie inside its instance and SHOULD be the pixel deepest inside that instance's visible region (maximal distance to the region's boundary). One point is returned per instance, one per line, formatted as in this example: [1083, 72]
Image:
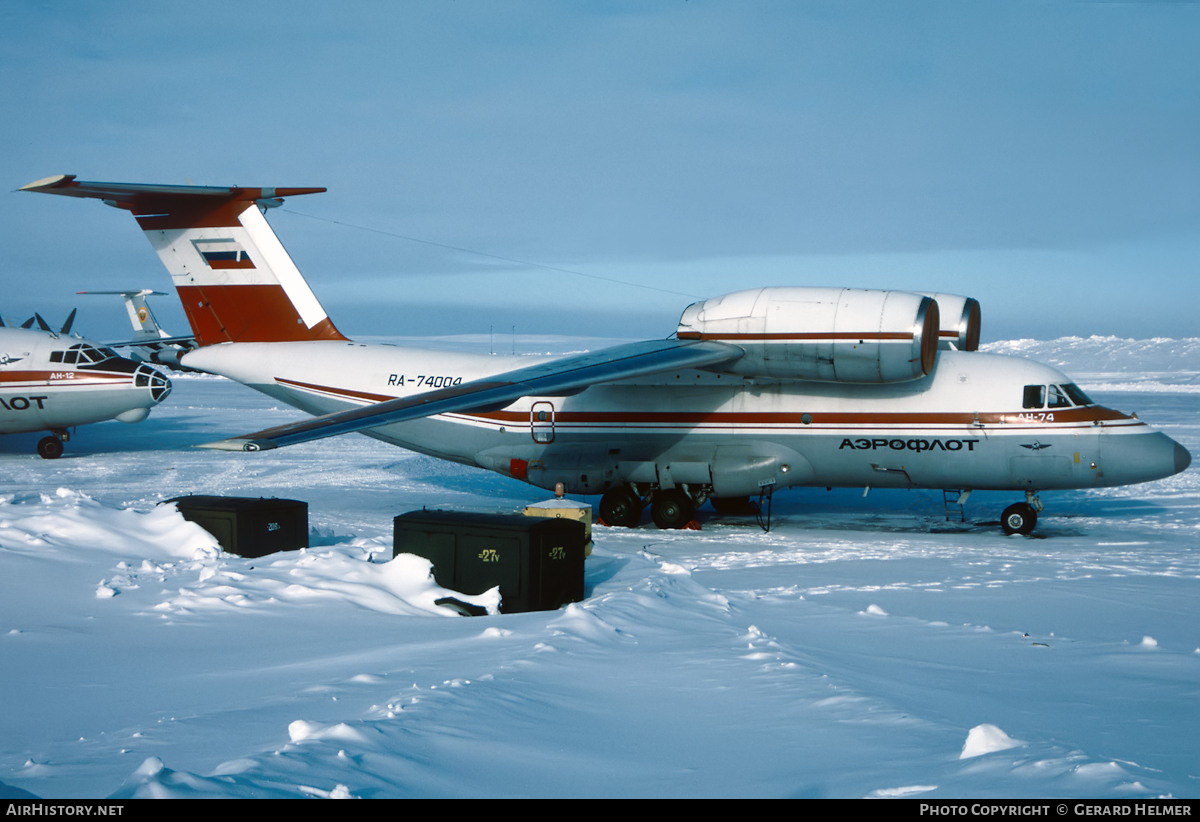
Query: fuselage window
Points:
[1035, 396]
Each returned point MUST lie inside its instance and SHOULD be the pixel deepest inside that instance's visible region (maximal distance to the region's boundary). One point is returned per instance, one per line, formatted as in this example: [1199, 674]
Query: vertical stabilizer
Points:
[234, 278]
[145, 324]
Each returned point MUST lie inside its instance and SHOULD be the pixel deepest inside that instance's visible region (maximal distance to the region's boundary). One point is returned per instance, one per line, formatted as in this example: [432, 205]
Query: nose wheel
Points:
[50, 448]
[1021, 517]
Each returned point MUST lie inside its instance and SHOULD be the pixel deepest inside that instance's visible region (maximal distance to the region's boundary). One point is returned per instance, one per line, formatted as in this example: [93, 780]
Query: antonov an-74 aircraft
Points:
[760, 389]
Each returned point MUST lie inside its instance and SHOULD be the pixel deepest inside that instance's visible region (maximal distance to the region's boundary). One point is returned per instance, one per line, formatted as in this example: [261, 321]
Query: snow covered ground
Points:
[861, 648]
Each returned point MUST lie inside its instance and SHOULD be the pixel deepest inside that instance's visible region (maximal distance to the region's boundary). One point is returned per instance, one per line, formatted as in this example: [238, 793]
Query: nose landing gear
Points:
[1021, 517]
[51, 448]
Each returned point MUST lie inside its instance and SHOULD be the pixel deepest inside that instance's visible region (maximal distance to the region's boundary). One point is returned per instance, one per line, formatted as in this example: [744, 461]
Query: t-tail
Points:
[233, 276]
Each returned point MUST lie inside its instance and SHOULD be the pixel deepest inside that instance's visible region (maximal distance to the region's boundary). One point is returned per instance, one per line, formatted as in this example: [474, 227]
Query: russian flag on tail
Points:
[223, 254]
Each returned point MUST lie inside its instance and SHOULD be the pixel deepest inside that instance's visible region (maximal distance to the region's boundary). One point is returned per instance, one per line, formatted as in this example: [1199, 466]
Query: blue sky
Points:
[632, 156]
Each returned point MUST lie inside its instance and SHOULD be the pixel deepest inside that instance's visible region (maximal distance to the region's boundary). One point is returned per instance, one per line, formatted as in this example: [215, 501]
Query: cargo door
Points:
[541, 422]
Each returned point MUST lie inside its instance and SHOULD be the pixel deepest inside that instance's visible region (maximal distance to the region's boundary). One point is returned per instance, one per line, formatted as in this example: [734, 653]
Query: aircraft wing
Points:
[187, 342]
[556, 378]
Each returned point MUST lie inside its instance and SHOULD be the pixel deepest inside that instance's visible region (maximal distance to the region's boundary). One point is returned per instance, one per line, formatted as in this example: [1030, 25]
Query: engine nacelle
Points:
[823, 334]
[959, 321]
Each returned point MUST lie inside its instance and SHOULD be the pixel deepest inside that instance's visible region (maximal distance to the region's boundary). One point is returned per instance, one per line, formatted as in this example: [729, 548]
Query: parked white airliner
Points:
[756, 390]
[50, 381]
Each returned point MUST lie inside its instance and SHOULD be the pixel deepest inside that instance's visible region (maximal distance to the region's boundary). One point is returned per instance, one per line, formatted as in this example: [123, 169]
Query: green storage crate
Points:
[537, 562]
[249, 526]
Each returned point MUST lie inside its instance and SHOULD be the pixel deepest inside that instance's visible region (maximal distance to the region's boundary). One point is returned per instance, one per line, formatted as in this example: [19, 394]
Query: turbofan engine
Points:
[829, 334]
[959, 321]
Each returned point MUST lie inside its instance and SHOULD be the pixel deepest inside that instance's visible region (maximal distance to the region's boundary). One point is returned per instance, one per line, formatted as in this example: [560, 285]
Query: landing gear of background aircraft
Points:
[621, 507]
[50, 448]
[1021, 517]
[672, 508]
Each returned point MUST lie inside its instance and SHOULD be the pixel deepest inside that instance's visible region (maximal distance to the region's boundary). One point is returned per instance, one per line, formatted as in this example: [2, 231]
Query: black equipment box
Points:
[249, 526]
[536, 561]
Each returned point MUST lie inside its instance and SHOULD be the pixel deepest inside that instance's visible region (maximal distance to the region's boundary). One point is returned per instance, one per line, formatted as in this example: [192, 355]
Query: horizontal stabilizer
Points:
[555, 378]
[135, 196]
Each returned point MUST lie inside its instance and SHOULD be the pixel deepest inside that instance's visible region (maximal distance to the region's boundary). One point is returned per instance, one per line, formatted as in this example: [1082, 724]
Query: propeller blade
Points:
[28, 323]
[42, 324]
[66, 329]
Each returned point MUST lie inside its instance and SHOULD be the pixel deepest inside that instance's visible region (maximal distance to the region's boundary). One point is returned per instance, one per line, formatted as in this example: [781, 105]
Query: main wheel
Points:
[1019, 518]
[50, 448]
[672, 509]
[621, 507]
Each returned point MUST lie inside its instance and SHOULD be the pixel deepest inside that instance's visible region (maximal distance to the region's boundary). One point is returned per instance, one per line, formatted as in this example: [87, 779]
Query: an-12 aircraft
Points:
[52, 381]
[755, 391]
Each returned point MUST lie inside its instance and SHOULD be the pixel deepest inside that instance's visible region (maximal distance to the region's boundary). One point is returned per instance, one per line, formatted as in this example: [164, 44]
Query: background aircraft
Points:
[150, 342]
[50, 381]
[757, 390]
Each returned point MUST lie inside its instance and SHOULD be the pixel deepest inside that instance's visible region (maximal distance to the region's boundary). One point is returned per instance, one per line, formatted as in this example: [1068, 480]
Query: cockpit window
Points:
[87, 354]
[1076, 394]
[84, 355]
[1057, 398]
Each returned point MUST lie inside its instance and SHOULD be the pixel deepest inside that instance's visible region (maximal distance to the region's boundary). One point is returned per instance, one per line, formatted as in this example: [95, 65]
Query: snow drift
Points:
[863, 647]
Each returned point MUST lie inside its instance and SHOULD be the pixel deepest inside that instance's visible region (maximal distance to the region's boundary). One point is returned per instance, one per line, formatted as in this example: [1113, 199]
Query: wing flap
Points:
[555, 378]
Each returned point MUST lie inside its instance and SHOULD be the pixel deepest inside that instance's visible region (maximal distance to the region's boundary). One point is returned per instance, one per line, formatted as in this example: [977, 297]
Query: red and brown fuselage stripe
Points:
[813, 421]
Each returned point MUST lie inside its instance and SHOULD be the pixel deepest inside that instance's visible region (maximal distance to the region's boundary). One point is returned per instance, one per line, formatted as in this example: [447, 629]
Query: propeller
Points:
[45, 326]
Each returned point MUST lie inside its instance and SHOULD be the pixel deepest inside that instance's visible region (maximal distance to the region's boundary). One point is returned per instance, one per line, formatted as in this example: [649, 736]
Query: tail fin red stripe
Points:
[247, 313]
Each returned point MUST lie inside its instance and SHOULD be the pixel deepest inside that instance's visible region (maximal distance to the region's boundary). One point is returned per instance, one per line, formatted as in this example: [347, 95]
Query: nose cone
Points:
[1182, 458]
[160, 387]
[155, 381]
[1142, 457]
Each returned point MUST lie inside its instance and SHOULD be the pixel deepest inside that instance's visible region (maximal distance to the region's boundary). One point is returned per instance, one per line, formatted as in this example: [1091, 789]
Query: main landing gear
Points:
[672, 508]
[1021, 517]
[669, 508]
[621, 507]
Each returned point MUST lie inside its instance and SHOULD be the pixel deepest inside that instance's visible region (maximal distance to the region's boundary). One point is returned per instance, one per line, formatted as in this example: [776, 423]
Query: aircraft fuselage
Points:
[50, 382]
[977, 421]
